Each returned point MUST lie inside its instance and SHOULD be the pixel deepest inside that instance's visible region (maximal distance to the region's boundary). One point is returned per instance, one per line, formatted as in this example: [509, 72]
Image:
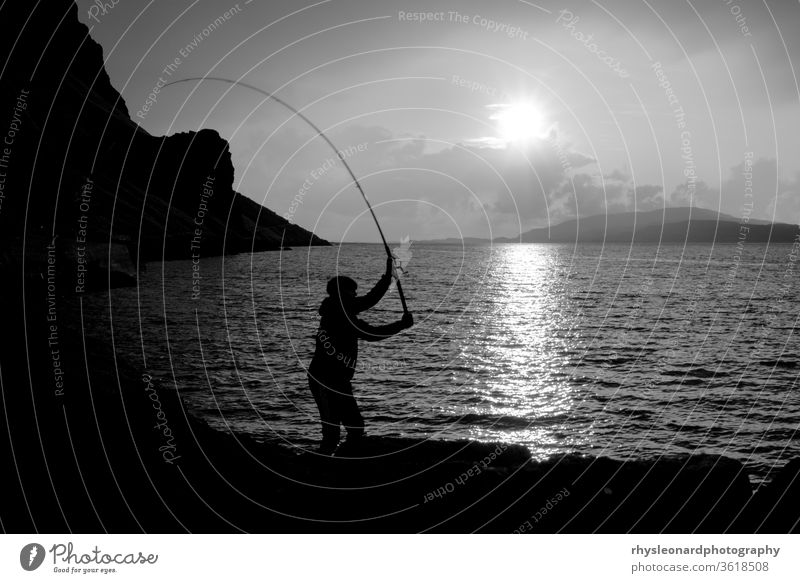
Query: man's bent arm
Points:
[372, 333]
[374, 296]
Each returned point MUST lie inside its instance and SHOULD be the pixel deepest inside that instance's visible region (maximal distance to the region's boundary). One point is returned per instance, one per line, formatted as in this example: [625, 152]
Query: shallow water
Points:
[596, 350]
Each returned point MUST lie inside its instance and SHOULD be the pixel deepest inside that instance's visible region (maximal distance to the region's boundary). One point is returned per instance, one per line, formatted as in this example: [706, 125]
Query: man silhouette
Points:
[336, 353]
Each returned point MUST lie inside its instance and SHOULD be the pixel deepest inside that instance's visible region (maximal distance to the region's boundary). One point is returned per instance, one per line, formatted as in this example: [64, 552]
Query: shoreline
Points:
[119, 480]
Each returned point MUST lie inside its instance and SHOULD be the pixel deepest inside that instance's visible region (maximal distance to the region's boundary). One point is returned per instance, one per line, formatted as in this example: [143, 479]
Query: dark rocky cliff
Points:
[76, 166]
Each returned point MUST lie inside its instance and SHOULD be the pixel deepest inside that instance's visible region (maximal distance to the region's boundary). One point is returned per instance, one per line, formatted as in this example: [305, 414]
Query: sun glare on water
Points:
[519, 122]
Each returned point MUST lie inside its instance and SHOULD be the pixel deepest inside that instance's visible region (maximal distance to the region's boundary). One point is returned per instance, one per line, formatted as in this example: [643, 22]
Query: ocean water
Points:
[604, 350]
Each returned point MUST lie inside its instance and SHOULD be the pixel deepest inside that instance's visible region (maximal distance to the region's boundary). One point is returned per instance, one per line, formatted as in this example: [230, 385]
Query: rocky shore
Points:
[96, 444]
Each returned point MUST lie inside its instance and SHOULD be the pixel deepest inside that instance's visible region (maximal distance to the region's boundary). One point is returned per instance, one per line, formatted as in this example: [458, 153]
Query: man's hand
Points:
[389, 265]
[407, 320]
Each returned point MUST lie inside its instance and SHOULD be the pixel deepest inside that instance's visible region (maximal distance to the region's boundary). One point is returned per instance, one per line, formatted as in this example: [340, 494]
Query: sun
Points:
[519, 122]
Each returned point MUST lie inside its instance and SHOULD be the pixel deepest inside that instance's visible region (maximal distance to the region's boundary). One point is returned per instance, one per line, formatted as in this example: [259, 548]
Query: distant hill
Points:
[670, 225]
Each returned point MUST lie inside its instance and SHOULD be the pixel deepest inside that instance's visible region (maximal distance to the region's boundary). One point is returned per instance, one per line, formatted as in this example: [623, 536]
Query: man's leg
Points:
[327, 414]
[349, 413]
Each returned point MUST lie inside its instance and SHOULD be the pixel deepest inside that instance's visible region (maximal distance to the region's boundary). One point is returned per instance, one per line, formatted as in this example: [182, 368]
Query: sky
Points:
[472, 118]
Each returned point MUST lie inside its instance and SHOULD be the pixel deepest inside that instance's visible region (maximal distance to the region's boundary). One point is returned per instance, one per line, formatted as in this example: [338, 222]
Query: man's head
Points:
[342, 286]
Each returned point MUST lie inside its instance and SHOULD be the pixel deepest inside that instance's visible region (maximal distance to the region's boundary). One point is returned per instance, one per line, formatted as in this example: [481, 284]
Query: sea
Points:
[629, 352]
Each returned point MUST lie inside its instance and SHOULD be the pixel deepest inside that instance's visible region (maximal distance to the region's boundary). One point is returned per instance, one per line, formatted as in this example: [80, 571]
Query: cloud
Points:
[752, 187]
[430, 188]
[434, 185]
[613, 193]
[697, 193]
[649, 197]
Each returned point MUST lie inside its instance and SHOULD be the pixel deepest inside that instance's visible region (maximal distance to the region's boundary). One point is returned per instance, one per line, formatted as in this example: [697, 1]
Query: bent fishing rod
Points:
[324, 137]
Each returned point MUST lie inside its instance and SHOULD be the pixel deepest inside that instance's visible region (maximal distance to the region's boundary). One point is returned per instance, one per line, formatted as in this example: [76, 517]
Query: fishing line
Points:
[324, 137]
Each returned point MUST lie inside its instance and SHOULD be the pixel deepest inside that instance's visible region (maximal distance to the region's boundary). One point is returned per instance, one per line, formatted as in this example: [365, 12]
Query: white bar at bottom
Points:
[416, 558]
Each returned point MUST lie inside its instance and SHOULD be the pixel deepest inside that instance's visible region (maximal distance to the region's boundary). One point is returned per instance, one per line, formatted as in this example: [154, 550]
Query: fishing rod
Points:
[331, 144]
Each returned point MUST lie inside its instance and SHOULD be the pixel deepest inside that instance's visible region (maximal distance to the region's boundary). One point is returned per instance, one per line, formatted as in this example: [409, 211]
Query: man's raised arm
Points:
[376, 293]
